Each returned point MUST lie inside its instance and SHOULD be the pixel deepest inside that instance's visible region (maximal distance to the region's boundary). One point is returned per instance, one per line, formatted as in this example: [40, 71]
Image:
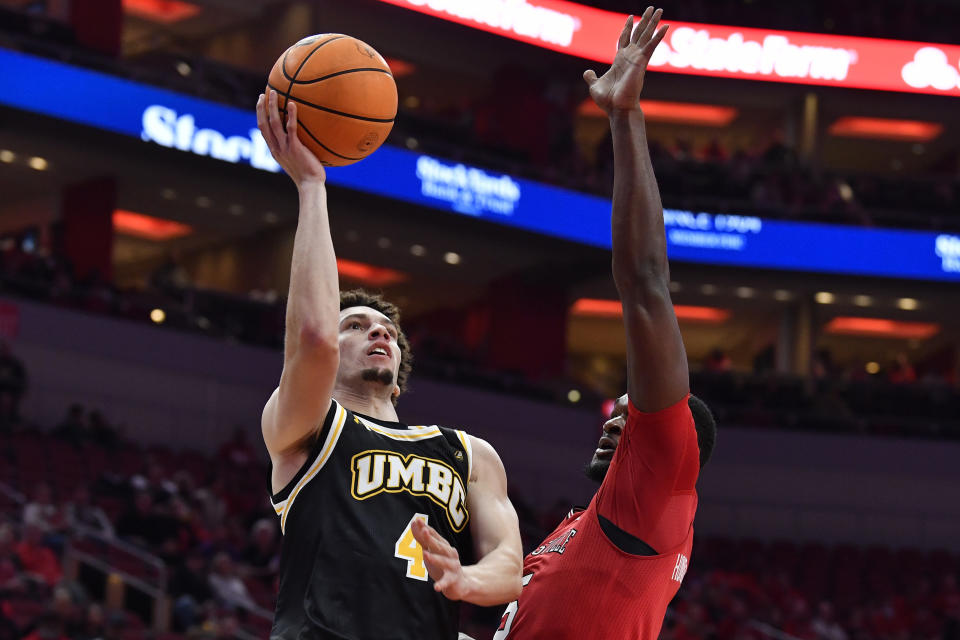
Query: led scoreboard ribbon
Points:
[229, 134]
[716, 50]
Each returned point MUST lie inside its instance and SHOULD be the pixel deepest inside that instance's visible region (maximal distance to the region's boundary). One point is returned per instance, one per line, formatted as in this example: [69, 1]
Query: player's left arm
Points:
[495, 578]
[656, 359]
[655, 441]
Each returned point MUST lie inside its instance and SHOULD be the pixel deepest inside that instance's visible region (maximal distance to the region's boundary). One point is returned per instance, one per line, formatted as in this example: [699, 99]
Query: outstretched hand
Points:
[619, 88]
[298, 161]
[442, 561]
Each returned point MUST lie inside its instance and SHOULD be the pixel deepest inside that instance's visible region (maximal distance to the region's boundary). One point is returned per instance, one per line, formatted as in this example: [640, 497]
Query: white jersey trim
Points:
[468, 449]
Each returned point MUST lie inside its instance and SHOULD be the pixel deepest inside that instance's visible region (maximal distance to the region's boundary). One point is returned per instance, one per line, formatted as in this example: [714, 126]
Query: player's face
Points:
[612, 430]
[368, 348]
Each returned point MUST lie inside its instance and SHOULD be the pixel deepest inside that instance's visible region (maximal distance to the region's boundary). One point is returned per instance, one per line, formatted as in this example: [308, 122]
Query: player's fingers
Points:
[648, 29]
[655, 40]
[262, 123]
[590, 76]
[292, 122]
[644, 21]
[433, 570]
[625, 33]
[420, 533]
[440, 543]
[273, 117]
[443, 583]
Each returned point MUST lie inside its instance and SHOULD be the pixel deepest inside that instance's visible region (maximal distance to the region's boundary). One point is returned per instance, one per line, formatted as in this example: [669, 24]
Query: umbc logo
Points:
[376, 471]
[948, 248]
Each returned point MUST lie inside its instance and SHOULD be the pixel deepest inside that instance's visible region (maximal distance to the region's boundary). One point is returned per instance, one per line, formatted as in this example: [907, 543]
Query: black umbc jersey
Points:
[350, 567]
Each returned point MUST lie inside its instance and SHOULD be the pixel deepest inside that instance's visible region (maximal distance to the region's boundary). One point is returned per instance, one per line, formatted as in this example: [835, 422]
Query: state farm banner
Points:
[715, 50]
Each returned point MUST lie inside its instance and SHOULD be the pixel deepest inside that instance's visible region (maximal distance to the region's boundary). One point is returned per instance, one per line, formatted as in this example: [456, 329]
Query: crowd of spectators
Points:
[208, 520]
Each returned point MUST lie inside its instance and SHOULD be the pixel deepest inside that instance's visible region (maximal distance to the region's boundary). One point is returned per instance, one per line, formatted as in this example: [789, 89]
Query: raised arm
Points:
[311, 352]
[656, 359]
[495, 578]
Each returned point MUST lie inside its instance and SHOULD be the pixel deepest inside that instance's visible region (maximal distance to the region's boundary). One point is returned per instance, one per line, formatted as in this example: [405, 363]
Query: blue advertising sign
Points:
[230, 134]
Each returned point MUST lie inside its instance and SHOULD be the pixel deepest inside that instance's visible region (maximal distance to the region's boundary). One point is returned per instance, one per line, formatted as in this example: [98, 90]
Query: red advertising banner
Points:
[715, 50]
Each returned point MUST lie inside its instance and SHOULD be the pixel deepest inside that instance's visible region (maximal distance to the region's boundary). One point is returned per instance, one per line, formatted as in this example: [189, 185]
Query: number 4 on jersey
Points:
[407, 548]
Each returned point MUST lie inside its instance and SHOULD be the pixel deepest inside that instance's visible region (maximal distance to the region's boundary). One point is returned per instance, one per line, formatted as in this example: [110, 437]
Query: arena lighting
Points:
[907, 304]
[715, 50]
[163, 11]
[882, 328]
[148, 227]
[704, 115]
[597, 308]
[369, 274]
[885, 129]
[400, 68]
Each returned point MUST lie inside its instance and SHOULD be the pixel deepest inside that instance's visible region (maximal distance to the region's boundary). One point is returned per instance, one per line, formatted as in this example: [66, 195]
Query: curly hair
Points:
[361, 298]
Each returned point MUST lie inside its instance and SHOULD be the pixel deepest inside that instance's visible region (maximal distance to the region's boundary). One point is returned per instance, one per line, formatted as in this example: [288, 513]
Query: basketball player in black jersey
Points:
[372, 510]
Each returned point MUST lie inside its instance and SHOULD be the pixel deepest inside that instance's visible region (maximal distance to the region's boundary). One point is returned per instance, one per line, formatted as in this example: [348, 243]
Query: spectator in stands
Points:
[190, 590]
[262, 555]
[41, 512]
[81, 512]
[142, 524]
[36, 559]
[155, 483]
[13, 376]
[228, 588]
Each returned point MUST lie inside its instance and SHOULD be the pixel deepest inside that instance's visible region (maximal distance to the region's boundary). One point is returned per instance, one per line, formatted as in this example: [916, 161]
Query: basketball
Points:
[346, 95]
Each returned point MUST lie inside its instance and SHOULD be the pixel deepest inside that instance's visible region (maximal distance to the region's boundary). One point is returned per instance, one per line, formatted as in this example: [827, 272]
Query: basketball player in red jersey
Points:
[610, 570]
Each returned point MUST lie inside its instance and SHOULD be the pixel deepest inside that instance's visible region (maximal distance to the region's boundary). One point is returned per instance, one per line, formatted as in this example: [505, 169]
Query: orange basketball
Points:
[346, 96]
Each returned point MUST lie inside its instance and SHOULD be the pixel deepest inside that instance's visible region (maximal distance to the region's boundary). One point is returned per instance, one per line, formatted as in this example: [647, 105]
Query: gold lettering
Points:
[409, 475]
[441, 477]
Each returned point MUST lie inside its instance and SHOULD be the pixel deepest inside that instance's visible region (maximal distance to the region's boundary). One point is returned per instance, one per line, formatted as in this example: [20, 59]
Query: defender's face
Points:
[368, 346]
[612, 430]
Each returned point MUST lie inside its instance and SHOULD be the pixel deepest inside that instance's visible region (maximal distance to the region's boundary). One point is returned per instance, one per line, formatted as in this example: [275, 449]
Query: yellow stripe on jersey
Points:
[328, 446]
[465, 441]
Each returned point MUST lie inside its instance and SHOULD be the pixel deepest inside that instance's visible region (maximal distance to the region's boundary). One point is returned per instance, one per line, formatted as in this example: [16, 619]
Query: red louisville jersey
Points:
[579, 584]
